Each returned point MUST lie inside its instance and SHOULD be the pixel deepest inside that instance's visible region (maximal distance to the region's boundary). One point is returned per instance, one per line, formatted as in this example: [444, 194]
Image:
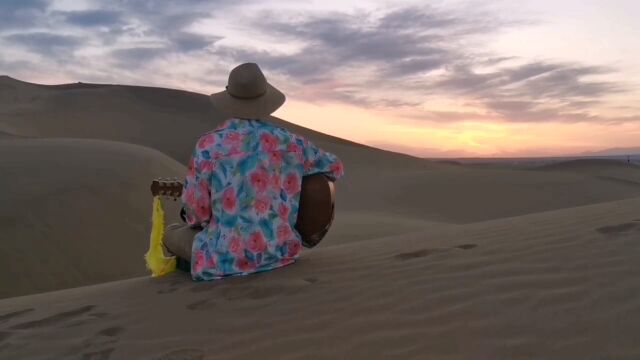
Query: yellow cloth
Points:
[155, 259]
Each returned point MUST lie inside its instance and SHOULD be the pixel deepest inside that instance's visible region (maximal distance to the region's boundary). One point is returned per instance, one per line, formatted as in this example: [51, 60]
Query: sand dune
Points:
[6, 135]
[589, 165]
[74, 212]
[554, 285]
[163, 119]
[458, 194]
[601, 168]
[425, 259]
[376, 181]
[382, 194]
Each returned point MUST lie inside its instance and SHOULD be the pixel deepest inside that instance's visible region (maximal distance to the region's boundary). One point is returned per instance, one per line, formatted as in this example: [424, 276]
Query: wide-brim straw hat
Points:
[248, 95]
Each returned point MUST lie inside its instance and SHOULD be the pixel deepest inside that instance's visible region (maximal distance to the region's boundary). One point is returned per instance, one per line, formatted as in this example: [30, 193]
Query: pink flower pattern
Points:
[259, 180]
[243, 186]
[229, 200]
[261, 205]
[291, 183]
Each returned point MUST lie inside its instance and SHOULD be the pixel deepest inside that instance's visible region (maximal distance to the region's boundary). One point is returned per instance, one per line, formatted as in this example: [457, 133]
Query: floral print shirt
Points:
[243, 187]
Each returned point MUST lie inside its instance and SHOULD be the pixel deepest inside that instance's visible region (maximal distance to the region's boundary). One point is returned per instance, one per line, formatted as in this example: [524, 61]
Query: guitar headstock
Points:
[166, 187]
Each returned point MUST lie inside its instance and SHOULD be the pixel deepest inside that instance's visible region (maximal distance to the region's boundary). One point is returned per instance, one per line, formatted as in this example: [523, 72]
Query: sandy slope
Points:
[376, 181]
[425, 259]
[555, 285]
[615, 170]
[67, 197]
[74, 212]
[382, 194]
[164, 119]
[458, 194]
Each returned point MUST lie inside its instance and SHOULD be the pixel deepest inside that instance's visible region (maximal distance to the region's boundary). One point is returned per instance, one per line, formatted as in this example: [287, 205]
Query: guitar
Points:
[171, 188]
[315, 212]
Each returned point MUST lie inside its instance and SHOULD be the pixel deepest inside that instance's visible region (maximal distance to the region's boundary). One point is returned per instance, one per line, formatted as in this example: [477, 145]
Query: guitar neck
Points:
[165, 187]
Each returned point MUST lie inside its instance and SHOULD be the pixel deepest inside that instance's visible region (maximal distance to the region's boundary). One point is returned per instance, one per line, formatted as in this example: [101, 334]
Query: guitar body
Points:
[315, 211]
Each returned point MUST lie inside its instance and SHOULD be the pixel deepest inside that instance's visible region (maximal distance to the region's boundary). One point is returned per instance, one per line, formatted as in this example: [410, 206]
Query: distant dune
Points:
[614, 170]
[589, 164]
[72, 195]
[163, 119]
[77, 160]
[6, 135]
[614, 152]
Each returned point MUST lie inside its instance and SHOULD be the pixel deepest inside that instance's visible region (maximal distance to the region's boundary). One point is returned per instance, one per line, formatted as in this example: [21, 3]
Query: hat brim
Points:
[254, 108]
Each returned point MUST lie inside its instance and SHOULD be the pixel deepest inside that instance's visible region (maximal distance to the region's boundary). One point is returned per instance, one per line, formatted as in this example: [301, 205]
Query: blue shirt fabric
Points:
[243, 187]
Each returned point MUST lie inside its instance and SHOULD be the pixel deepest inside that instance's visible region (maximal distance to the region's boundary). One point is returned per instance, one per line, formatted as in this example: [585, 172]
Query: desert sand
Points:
[426, 259]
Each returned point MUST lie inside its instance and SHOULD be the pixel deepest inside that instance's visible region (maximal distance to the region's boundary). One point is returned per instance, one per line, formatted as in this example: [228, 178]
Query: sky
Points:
[430, 78]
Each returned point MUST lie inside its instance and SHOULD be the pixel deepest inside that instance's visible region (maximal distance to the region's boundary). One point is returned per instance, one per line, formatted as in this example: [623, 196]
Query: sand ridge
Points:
[430, 259]
[553, 285]
[382, 194]
[75, 211]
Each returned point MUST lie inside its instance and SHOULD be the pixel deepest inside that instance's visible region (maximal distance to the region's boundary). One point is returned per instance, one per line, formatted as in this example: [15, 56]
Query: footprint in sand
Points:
[182, 354]
[98, 355]
[101, 345]
[4, 335]
[415, 254]
[426, 252]
[98, 347]
[466, 246]
[250, 290]
[14, 314]
[111, 331]
[201, 305]
[619, 229]
[259, 292]
[167, 291]
[173, 285]
[54, 319]
[100, 315]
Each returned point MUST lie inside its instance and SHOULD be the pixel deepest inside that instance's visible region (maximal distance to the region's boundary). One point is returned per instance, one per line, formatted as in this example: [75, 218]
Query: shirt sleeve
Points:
[317, 160]
[196, 193]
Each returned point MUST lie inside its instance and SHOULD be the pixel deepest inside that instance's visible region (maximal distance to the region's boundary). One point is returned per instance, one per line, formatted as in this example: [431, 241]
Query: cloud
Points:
[137, 56]
[90, 18]
[400, 58]
[405, 56]
[21, 13]
[334, 41]
[131, 32]
[380, 59]
[537, 91]
[17, 68]
[163, 17]
[183, 41]
[46, 43]
[179, 43]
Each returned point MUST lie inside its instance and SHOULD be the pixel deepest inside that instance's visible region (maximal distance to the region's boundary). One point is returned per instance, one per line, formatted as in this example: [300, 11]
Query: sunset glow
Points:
[446, 79]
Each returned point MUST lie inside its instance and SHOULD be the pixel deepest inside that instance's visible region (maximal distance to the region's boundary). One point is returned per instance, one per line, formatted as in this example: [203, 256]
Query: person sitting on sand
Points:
[242, 188]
